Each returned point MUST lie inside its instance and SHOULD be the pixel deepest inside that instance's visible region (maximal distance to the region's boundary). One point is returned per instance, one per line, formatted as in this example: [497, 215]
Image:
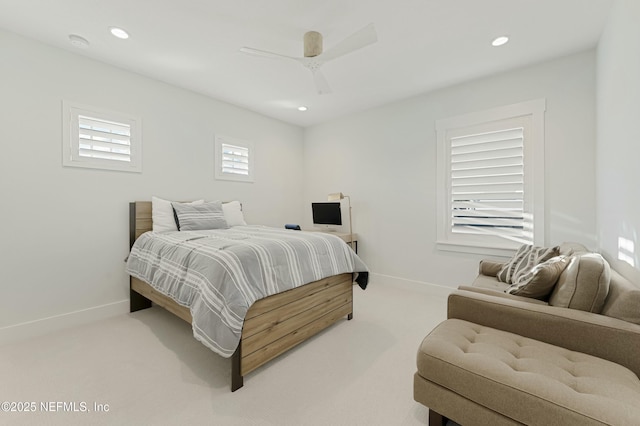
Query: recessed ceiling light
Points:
[79, 42]
[302, 108]
[499, 41]
[119, 32]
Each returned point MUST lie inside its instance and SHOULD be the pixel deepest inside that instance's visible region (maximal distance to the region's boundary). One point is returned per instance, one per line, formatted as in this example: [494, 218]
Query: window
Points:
[234, 159]
[100, 139]
[491, 179]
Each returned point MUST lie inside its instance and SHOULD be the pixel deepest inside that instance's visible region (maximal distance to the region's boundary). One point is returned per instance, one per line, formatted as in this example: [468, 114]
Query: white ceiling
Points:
[422, 44]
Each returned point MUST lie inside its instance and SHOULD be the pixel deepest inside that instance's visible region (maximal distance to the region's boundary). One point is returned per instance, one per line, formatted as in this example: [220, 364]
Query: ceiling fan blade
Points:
[264, 53]
[321, 83]
[355, 41]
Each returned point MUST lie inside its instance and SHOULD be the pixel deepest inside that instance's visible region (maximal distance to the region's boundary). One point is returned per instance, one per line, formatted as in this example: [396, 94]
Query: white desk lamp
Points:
[337, 196]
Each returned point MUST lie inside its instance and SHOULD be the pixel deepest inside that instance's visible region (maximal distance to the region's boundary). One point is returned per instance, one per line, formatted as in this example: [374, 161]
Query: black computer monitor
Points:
[326, 213]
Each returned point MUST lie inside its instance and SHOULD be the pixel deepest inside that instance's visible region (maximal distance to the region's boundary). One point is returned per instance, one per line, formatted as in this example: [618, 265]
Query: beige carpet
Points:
[147, 369]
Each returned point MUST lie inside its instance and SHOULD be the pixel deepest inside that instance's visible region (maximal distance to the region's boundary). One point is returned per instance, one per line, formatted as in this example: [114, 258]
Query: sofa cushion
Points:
[583, 284]
[623, 300]
[524, 260]
[539, 282]
[527, 380]
[490, 283]
[500, 294]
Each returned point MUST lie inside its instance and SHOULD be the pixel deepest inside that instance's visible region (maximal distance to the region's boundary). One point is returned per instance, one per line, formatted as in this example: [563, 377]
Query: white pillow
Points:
[233, 213]
[162, 214]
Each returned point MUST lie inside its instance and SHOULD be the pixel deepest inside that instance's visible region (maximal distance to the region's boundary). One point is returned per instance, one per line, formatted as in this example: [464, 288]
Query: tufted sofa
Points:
[572, 358]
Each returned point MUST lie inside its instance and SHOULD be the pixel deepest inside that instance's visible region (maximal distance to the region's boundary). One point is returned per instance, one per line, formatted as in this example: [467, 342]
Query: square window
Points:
[233, 159]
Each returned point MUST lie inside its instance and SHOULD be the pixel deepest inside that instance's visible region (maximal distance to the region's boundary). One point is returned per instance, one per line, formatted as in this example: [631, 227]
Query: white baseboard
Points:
[423, 286]
[48, 325]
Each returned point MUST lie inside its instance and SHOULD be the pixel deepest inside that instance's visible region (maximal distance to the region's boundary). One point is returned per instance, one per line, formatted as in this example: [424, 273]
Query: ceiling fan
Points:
[314, 57]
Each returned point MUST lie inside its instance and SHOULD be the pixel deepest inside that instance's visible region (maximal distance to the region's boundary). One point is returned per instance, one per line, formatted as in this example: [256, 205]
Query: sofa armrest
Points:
[598, 335]
[490, 268]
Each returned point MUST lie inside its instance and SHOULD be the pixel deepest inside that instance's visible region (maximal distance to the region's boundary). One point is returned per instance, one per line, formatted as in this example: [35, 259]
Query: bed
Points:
[270, 325]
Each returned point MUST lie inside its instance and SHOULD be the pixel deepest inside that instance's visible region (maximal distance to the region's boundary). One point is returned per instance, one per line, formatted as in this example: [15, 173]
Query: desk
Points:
[353, 243]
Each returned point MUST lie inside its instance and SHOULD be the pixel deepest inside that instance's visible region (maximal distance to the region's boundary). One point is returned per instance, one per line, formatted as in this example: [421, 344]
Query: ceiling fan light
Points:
[499, 41]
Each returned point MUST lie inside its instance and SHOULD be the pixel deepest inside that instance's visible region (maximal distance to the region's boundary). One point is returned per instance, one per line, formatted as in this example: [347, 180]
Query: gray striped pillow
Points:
[540, 280]
[524, 260]
[190, 217]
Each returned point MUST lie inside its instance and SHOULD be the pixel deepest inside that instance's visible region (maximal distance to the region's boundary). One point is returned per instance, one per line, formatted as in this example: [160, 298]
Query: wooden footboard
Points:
[272, 325]
[279, 322]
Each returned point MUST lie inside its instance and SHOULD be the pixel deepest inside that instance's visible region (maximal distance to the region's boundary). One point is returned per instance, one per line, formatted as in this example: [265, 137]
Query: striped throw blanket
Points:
[220, 273]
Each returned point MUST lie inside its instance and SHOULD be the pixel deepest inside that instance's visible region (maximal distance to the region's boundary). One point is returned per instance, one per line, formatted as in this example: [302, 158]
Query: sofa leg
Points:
[436, 419]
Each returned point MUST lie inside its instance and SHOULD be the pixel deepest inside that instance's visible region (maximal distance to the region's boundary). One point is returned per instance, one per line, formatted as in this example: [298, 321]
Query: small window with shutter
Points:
[234, 159]
[491, 179]
[100, 139]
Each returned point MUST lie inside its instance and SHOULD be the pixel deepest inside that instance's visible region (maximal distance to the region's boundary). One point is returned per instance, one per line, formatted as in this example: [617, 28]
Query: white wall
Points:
[65, 230]
[385, 158]
[618, 140]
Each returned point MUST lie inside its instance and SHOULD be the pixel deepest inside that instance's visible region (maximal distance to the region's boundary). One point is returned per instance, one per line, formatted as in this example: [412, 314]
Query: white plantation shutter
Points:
[487, 183]
[100, 139]
[104, 139]
[490, 180]
[233, 159]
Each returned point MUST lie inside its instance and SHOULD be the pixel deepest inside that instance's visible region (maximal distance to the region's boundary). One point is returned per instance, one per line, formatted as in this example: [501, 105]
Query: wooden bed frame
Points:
[272, 325]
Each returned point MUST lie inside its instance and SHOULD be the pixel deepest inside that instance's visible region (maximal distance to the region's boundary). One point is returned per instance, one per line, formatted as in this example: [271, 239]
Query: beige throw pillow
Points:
[539, 281]
[524, 260]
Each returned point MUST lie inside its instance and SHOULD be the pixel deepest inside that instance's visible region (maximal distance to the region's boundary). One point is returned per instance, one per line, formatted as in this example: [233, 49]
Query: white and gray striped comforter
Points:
[220, 273]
